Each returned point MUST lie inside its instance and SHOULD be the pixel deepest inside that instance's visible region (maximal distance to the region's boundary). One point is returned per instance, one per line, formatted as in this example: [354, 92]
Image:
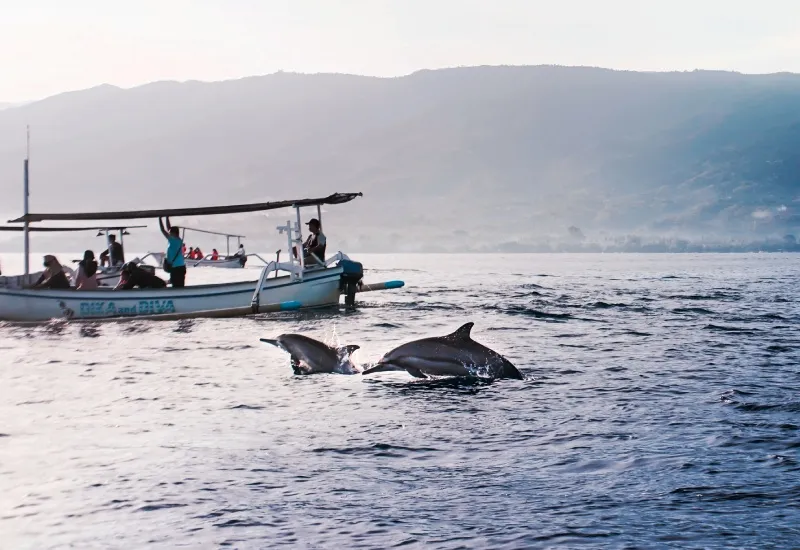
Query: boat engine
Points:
[352, 273]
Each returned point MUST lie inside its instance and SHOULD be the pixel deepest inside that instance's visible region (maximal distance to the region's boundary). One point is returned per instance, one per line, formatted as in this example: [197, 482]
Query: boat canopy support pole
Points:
[319, 216]
[27, 242]
[300, 255]
[108, 247]
[289, 242]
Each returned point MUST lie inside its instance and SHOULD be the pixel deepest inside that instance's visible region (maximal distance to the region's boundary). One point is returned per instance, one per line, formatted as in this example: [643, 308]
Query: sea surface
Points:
[660, 409]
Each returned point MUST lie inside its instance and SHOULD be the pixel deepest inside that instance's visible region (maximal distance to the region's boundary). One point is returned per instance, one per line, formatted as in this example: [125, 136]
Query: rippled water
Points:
[661, 408]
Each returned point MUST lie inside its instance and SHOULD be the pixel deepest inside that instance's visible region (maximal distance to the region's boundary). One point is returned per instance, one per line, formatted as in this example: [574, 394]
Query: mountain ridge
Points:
[699, 154]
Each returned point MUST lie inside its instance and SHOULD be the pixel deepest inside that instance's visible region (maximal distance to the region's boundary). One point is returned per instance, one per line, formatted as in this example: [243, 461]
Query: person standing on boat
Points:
[114, 255]
[177, 271]
[86, 279]
[241, 254]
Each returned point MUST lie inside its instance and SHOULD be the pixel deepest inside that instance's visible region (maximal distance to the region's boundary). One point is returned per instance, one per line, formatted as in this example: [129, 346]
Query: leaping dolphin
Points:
[456, 354]
[311, 356]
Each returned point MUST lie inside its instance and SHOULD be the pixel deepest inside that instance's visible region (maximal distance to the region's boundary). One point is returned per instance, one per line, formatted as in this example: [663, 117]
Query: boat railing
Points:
[262, 260]
[295, 273]
[271, 267]
[157, 256]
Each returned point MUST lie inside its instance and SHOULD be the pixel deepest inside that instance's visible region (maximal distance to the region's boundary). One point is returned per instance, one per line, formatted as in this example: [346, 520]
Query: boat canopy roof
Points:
[18, 228]
[183, 227]
[336, 198]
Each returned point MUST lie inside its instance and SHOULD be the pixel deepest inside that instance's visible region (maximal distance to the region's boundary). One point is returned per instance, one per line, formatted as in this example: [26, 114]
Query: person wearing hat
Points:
[314, 247]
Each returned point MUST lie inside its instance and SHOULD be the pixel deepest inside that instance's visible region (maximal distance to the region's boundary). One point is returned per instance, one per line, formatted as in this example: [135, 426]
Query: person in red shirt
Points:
[198, 254]
[214, 255]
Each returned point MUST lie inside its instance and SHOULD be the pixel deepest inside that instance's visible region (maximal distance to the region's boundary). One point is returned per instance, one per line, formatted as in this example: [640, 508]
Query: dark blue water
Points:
[661, 409]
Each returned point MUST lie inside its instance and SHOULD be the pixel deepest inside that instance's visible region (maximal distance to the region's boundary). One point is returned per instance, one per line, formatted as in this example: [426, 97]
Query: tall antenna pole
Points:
[27, 244]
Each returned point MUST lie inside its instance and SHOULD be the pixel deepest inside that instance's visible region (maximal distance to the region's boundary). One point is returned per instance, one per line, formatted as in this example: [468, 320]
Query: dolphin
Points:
[311, 356]
[456, 354]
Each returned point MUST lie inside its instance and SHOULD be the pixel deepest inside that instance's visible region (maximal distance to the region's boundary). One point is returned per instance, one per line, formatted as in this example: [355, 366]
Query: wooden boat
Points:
[321, 288]
[281, 285]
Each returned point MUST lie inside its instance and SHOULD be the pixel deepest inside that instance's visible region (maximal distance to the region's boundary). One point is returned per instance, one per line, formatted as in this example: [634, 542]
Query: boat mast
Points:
[108, 247]
[26, 192]
[300, 242]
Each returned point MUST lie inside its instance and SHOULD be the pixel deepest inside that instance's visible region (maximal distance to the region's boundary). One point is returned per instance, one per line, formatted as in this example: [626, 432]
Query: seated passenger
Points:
[133, 276]
[314, 247]
[214, 255]
[86, 279]
[53, 276]
[190, 255]
[198, 254]
[114, 255]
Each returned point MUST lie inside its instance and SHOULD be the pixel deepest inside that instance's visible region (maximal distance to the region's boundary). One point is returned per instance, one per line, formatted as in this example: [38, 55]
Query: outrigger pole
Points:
[25, 204]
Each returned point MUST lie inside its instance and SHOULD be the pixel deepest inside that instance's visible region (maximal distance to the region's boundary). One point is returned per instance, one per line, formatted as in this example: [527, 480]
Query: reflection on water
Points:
[660, 409]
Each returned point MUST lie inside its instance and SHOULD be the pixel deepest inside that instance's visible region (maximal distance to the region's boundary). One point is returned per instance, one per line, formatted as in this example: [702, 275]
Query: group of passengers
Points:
[197, 254]
[133, 276]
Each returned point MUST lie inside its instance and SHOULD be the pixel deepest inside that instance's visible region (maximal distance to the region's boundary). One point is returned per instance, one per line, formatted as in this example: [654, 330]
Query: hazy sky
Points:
[51, 46]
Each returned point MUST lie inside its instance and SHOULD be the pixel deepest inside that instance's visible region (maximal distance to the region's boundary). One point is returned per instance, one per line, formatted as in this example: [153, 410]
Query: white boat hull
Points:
[317, 289]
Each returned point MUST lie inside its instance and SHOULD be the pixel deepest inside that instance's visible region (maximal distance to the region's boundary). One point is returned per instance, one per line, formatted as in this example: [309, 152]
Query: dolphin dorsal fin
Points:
[462, 333]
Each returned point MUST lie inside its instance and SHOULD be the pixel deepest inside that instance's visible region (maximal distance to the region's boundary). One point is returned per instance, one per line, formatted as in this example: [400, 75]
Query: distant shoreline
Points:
[16, 252]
